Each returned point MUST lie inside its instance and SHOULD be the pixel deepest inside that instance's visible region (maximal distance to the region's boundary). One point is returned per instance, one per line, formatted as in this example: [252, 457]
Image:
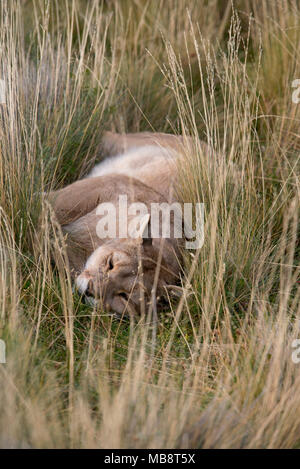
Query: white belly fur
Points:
[136, 162]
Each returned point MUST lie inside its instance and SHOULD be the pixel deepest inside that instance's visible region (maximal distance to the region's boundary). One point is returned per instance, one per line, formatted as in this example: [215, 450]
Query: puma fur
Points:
[123, 273]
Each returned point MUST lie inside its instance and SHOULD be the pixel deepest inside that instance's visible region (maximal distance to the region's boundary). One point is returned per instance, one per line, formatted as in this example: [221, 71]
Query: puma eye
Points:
[110, 263]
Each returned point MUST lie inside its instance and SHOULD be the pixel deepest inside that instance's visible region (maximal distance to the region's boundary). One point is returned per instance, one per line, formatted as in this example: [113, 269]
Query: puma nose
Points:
[84, 285]
[90, 289]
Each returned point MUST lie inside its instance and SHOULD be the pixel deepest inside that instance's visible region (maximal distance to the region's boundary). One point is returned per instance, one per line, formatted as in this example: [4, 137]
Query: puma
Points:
[123, 274]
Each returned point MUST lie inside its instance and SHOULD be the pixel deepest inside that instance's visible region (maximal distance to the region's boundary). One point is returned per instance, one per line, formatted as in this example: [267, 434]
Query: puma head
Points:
[120, 274]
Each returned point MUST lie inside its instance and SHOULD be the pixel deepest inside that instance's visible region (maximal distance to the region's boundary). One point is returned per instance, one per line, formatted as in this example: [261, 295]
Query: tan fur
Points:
[110, 270]
[114, 144]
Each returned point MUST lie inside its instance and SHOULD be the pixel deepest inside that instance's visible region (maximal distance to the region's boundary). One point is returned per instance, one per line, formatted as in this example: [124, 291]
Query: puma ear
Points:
[143, 232]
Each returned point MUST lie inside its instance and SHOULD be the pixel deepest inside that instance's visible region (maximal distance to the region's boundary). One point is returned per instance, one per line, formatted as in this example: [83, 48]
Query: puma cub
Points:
[123, 272]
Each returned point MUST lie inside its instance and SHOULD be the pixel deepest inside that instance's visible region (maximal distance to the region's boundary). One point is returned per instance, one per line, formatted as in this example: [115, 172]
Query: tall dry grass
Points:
[218, 371]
